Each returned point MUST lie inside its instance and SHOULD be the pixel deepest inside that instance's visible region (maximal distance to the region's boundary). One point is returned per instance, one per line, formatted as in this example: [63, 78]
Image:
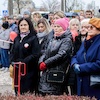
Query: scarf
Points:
[41, 35]
[57, 35]
[24, 34]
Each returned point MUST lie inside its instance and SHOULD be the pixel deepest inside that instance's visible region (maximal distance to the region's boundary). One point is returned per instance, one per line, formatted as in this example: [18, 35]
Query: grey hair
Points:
[85, 21]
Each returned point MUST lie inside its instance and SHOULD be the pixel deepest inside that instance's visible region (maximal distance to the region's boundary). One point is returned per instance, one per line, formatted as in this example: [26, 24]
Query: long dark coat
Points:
[27, 51]
[88, 57]
[56, 57]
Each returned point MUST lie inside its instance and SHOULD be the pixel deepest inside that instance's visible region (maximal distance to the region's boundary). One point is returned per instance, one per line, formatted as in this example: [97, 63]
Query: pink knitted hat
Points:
[63, 22]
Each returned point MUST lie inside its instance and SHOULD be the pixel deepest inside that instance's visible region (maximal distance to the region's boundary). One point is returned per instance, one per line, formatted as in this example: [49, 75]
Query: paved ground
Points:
[5, 82]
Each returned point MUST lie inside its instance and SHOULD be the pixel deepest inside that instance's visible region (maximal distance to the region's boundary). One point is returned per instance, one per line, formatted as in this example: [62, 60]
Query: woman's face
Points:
[84, 28]
[74, 26]
[58, 30]
[92, 31]
[23, 26]
[56, 17]
[36, 18]
[41, 27]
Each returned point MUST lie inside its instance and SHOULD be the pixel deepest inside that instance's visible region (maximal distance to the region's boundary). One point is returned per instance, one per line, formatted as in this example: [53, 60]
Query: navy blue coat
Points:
[88, 57]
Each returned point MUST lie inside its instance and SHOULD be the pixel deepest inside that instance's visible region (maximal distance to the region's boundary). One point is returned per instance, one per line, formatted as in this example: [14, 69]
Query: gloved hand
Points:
[42, 66]
[77, 68]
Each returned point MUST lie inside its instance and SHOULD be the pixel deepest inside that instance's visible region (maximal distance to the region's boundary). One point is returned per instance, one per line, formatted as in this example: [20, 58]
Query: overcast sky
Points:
[97, 2]
[38, 3]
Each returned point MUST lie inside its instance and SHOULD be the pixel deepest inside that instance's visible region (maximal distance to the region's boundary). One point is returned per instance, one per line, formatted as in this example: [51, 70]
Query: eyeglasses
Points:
[87, 27]
[91, 27]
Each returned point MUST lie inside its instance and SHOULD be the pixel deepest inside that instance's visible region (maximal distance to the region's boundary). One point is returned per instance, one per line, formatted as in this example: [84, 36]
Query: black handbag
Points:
[55, 76]
[94, 80]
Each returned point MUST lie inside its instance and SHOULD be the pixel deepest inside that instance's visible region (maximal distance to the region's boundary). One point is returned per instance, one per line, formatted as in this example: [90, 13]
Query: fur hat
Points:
[95, 22]
[5, 25]
[63, 22]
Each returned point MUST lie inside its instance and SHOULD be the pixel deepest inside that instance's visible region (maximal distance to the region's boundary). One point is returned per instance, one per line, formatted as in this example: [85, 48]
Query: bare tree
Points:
[18, 6]
[72, 5]
[5, 3]
[21, 5]
[91, 6]
[51, 5]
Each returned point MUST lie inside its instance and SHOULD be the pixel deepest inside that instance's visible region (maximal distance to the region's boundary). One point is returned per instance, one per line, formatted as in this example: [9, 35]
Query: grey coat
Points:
[56, 57]
[4, 35]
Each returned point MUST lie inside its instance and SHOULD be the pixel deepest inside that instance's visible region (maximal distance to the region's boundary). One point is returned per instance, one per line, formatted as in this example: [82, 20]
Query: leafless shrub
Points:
[28, 96]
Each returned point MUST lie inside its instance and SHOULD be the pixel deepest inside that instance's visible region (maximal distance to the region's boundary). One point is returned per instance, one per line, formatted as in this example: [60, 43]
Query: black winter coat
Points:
[56, 57]
[43, 43]
[27, 51]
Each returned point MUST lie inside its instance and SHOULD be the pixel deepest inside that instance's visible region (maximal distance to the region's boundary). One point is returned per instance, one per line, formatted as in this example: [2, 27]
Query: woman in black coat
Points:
[56, 58]
[26, 49]
[44, 29]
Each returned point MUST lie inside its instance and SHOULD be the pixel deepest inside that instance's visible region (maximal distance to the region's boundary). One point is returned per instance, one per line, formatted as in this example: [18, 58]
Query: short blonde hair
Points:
[60, 14]
[74, 21]
[37, 14]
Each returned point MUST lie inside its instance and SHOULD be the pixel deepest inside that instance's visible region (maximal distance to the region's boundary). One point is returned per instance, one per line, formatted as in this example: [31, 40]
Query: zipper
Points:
[21, 40]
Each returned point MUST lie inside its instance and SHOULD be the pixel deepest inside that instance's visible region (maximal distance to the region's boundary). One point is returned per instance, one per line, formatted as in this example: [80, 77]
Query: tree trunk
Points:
[10, 7]
[18, 7]
[63, 5]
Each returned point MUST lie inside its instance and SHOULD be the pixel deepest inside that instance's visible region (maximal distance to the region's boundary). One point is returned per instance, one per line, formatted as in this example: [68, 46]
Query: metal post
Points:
[10, 7]
[63, 5]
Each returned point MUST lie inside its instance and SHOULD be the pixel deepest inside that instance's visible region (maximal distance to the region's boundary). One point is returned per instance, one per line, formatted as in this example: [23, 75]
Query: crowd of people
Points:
[61, 54]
